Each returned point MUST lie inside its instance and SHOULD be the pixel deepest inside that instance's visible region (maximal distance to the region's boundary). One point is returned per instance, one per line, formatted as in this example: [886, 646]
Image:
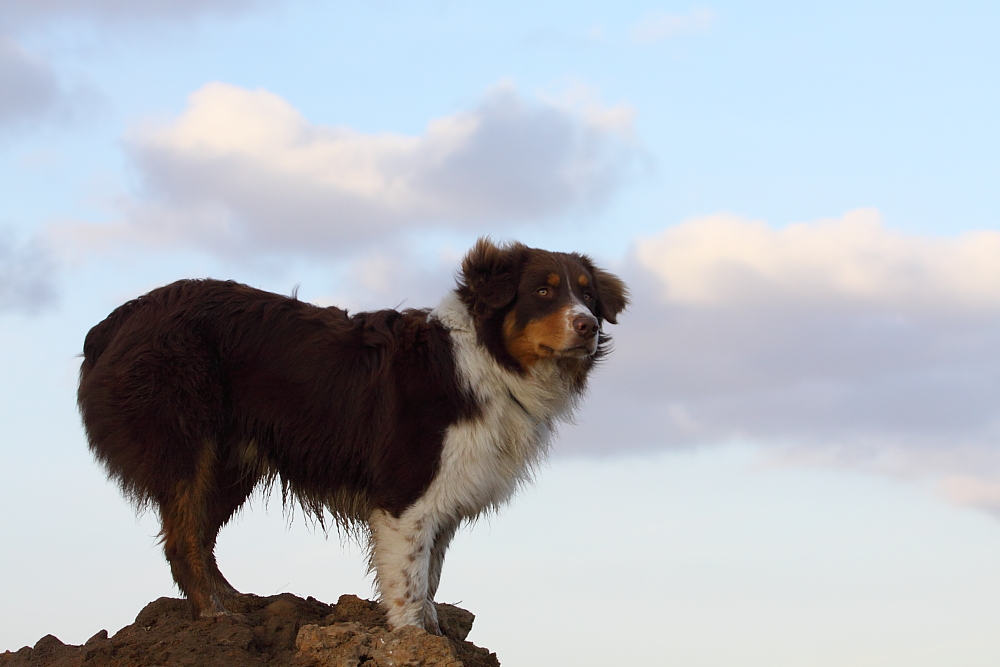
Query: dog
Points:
[402, 424]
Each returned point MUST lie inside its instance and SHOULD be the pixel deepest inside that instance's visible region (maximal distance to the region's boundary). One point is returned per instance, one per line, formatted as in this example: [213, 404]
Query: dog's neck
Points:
[545, 393]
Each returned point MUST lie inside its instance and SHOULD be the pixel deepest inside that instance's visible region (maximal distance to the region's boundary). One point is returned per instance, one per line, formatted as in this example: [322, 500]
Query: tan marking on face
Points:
[553, 279]
[518, 345]
[399, 602]
[540, 339]
[583, 280]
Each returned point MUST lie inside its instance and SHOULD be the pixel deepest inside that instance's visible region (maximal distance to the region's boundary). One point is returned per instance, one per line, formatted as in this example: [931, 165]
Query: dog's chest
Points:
[485, 458]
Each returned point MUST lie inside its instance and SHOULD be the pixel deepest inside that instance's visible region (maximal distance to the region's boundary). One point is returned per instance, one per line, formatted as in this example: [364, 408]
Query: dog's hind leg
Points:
[233, 486]
[401, 557]
[184, 516]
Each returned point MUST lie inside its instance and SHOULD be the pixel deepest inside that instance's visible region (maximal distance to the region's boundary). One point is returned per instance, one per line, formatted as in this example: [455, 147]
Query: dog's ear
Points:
[612, 295]
[491, 273]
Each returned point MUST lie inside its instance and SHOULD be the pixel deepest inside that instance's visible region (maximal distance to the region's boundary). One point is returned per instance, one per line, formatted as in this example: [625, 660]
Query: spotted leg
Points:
[402, 550]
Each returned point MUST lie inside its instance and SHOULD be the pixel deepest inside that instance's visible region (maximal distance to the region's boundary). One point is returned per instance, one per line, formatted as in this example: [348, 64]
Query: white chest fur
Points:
[486, 458]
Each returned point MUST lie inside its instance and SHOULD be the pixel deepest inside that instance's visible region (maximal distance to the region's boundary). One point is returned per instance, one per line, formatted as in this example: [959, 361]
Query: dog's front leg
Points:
[441, 541]
[401, 556]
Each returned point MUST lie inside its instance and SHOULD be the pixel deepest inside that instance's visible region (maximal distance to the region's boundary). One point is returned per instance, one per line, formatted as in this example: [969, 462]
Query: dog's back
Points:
[268, 384]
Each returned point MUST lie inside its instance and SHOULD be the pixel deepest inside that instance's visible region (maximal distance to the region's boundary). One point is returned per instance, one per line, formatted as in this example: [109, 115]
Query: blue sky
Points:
[791, 458]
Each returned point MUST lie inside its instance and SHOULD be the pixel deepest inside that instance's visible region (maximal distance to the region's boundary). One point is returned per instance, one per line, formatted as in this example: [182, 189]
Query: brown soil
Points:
[281, 630]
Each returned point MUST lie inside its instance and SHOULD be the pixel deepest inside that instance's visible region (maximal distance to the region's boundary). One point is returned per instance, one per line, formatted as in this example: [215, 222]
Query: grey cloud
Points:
[25, 276]
[527, 161]
[30, 89]
[812, 377]
[15, 12]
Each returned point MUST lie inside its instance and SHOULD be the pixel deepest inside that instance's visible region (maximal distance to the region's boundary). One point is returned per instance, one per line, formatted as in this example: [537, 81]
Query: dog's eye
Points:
[542, 291]
[588, 297]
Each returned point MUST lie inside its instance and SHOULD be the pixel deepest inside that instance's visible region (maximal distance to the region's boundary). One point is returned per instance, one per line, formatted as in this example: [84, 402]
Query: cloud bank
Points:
[836, 342]
[242, 171]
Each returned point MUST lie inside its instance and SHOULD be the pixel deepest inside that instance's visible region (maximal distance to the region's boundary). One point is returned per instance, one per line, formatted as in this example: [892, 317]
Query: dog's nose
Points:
[585, 326]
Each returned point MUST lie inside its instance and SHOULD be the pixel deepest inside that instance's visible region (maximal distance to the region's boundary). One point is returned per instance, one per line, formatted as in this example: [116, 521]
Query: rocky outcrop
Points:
[281, 630]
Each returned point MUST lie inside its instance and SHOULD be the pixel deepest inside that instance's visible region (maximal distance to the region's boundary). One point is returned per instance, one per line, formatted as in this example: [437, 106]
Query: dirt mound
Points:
[279, 630]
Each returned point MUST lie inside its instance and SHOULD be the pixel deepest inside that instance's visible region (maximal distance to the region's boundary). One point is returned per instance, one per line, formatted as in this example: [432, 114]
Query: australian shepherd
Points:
[402, 423]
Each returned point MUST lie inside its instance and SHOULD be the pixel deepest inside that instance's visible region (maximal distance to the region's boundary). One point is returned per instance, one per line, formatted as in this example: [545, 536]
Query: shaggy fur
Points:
[406, 423]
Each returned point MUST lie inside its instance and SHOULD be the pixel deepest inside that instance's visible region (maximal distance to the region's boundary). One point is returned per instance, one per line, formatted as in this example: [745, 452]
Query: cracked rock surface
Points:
[280, 630]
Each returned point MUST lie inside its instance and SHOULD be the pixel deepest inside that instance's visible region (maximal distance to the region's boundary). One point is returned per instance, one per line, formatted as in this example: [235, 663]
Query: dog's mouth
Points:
[577, 351]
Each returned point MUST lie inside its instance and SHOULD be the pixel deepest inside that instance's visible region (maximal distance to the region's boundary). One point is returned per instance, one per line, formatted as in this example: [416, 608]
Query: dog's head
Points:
[530, 305]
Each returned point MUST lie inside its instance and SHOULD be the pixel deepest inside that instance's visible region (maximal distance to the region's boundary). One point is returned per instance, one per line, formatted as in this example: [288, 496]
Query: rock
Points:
[279, 631]
[98, 637]
[352, 645]
[352, 609]
[455, 622]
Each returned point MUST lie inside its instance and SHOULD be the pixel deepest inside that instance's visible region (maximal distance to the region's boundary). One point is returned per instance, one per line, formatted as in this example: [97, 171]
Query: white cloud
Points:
[725, 259]
[659, 25]
[243, 171]
[837, 342]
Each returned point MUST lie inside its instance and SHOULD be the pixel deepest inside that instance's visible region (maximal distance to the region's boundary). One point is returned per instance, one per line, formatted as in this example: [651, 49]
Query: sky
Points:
[792, 455]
